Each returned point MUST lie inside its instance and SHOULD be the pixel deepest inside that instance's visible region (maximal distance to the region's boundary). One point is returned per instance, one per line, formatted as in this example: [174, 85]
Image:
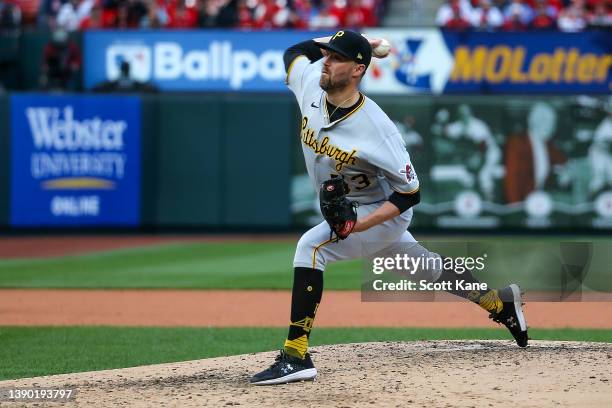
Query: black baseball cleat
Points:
[286, 369]
[511, 315]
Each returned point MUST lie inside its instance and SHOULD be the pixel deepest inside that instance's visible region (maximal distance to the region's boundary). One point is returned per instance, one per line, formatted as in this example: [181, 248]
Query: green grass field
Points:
[180, 265]
[267, 265]
[36, 351]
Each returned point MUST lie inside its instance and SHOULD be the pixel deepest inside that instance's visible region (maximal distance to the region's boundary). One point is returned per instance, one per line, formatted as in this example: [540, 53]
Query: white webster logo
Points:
[138, 56]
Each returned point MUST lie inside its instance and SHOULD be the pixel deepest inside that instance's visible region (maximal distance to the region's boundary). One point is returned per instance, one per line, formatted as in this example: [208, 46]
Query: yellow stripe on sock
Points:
[300, 345]
[302, 340]
[305, 323]
[491, 302]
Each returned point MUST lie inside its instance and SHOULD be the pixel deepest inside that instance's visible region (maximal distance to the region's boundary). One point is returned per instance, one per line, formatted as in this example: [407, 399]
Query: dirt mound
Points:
[431, 373]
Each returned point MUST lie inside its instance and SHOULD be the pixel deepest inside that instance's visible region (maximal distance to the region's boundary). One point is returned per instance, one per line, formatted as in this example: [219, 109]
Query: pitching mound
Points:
[431, 373]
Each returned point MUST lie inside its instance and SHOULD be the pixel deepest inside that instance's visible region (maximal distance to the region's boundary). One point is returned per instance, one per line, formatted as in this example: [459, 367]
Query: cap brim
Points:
[331, 48]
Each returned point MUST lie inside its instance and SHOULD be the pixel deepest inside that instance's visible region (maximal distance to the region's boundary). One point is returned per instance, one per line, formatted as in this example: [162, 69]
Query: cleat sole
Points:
[516, 291]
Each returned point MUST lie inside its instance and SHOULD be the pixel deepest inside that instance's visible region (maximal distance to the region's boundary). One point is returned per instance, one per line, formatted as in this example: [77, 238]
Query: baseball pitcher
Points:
[357, 161]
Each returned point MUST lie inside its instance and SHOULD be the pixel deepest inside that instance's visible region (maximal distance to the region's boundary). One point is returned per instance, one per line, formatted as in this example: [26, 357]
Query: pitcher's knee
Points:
[308, 254]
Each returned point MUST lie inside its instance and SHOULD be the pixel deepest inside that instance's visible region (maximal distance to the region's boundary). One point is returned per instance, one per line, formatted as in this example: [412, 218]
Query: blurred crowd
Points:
[73, 15]
[486, 15]
[522, 15]
[62, 60]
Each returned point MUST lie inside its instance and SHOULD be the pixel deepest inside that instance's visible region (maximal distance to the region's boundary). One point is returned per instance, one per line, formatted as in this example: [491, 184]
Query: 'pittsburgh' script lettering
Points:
[323, 147]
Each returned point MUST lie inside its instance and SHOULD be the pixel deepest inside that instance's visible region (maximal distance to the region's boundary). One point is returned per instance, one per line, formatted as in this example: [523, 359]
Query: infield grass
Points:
[260, 265]
[37, 351]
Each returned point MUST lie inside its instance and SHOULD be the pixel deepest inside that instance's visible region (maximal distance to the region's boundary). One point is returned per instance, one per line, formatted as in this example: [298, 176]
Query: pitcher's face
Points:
[338, 71]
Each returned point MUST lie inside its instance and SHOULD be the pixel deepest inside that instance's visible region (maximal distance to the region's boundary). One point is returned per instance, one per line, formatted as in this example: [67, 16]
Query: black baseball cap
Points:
[351, 45]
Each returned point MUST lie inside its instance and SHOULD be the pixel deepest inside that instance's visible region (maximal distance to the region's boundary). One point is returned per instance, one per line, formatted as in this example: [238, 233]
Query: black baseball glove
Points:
[338, 211]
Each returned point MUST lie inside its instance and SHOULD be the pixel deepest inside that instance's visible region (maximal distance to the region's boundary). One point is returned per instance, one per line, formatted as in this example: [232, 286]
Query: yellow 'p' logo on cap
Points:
[338, 34]
[359, 56]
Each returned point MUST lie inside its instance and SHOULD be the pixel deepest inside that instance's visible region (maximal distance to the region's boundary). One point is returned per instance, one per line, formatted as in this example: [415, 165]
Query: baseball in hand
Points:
[382, 49]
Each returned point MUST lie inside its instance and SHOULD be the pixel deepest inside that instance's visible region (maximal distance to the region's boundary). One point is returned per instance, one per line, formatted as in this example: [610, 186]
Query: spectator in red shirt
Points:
[337, 8]
[302, 11]
[357, 15]
[600, 17]
[555, 4]
[375, 8]
[592, 4]
[457, 20]
[109, 13]
[448, 11]
[181, 16]
[245, 14]
[542, 19]
[94, 20]
[264, 14]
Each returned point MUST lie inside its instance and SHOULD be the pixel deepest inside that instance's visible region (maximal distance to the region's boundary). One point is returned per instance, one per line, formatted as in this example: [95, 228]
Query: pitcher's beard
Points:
[327, 84]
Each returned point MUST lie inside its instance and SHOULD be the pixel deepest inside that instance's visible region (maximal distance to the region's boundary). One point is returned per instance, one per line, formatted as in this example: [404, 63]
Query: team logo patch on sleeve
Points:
[408, 171]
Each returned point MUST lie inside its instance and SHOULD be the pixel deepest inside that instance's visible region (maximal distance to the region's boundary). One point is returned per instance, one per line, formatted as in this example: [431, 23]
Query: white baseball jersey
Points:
[364, 147]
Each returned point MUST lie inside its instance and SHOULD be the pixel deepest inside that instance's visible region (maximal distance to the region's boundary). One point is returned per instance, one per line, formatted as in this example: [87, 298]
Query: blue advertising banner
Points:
[533, 63]
[447, 62]
[192, 60]
[75, 160]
